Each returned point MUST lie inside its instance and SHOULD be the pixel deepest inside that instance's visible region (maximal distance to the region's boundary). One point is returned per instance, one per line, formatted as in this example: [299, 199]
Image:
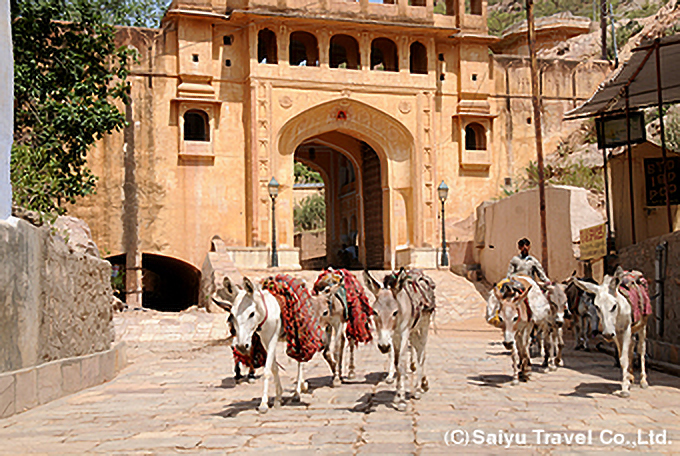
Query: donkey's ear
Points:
[248, 285]
[371, 283]
[586, 286]
[229, 291]
[401, 279]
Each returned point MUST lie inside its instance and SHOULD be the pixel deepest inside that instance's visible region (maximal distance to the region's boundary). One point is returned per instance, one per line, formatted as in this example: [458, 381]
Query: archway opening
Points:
[266, 47]
[384, 55]
[418, 58]
[168, 284]
[303, 49]
[344, 52]
[352, 175]
[475, 137]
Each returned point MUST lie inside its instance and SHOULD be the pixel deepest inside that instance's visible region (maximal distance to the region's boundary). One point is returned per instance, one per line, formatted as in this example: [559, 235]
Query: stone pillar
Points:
[6, 109]
[133, 256]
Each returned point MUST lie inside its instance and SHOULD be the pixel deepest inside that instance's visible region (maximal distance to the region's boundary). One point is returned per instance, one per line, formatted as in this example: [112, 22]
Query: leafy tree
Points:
[68, 76]
[138, 13]
[310, 214]
[304, 175]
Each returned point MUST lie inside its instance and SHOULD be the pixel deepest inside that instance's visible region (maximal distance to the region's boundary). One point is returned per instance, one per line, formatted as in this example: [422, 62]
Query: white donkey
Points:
[517, 311]
[333, 318]
[616, 316]
[402, 310]
[257, 310]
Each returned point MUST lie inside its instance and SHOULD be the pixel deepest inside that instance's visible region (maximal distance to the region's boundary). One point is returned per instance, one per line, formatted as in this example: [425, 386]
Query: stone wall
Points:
[641, 257]
[55, 303]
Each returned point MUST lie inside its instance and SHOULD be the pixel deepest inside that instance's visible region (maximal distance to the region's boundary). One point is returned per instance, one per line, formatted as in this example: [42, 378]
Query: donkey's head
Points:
[387, 306]
[248, 313]
[513, 311]
[606, 301]
[557, 298]
[328, 304]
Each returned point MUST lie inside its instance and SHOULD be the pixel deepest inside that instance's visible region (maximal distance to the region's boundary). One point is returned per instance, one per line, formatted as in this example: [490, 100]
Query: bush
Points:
[310, 214]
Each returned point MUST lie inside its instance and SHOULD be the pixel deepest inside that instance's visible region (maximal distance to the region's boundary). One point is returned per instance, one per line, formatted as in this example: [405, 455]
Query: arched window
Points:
[266, 47]
[418, 58]
[196, 126]
[303, 49]
[384, 55]
[344, 52]
[475, 137]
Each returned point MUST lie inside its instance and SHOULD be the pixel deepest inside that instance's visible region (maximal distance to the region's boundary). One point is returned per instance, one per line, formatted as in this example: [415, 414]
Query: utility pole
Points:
[6, 109]
[603, 27]
[536, 102]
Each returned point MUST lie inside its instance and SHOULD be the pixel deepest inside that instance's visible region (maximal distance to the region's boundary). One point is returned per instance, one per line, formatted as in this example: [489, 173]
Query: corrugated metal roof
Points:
[639, 74]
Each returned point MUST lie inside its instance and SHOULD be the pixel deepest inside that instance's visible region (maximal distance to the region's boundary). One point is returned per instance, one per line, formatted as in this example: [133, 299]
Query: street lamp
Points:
[273, 188]
[443, 192]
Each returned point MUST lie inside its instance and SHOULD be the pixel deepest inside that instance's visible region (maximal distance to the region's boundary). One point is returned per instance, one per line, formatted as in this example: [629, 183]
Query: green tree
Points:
[310, 214]
[304, 175]
[138, 13]
[69, 73]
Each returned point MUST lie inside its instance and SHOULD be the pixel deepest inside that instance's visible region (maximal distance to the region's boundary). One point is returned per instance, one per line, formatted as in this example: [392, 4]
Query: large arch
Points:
[168, 284]
[389, 140]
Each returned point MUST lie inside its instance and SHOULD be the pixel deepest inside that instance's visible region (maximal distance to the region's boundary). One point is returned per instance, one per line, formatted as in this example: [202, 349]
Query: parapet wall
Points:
[54, 303]
[641, 257]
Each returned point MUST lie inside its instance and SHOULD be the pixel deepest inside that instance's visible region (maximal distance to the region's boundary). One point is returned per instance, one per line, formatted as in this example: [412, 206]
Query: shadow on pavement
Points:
[490, 380]
[586, 389]
[235, 408]
[369, 402]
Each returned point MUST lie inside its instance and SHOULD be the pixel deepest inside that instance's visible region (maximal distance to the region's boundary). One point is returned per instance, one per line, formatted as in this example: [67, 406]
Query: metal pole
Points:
[607, 209]
[536, 101]
[630, 171]
[445, 255]
[663, 138]
[603, 27]
[275, 254]
[616, 51]
[133, 255]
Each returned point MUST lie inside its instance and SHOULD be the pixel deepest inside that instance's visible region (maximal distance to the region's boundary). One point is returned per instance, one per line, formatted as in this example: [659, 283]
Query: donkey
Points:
[557, 298]
[618, 317]
[582, 307]
[257, 311]
[333, 317]
[518, 306]
[346, 316]
[403, 307]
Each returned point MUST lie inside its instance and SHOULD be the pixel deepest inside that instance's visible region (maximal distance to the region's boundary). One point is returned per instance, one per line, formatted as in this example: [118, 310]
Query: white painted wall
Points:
[6, 109]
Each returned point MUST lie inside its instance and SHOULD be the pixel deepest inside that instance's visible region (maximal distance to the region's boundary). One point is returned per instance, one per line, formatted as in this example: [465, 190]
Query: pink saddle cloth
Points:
[634, 287]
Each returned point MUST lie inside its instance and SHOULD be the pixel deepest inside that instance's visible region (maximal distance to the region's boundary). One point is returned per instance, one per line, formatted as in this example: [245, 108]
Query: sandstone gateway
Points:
[385, 100]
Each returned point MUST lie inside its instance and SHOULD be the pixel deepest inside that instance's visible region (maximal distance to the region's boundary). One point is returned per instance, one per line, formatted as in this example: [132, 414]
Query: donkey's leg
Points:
[419, 343]
[391, 370]
[623, 344]
[277, 382]
[642, 350]
[514, 355]
[402, 343]
[339, 348]
[329, 349]
[552, 347]
[269, 366]
[298, 383]
[351, 375]
[560, 347]
[523, 342]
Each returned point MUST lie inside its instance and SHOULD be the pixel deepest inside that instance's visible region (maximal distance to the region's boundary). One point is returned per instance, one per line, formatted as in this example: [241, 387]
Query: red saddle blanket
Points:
[634, 287]
[303, 332]
[358, 310]
[257, 356]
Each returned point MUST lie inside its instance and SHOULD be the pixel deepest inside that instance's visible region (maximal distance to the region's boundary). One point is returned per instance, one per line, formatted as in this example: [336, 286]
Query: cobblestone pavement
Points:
[179, 396]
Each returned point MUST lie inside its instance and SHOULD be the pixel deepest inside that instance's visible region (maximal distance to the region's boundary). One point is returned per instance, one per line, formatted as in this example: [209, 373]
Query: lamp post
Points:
[273, 188]
[443, 192]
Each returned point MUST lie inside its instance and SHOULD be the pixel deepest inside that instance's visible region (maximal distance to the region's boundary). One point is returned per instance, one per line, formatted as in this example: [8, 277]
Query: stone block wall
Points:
[641, 257]
[55, 303]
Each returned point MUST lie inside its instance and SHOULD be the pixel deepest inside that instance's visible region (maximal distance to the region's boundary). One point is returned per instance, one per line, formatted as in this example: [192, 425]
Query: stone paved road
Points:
[180, 397]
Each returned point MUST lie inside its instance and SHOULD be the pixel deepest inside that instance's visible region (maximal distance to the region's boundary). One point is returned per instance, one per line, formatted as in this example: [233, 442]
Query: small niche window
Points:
[475, 137]
[196, 126]
[303, 49]
[384, 56]
[418, 58]
[344, 52]
[227, 40]
[194, 57]
[266, 47]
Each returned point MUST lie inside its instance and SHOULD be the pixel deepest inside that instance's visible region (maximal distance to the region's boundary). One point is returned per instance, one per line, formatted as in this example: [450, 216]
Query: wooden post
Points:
[536, 101]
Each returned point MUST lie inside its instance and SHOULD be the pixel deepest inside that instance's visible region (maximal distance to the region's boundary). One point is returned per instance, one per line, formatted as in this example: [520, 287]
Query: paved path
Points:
[179, 397]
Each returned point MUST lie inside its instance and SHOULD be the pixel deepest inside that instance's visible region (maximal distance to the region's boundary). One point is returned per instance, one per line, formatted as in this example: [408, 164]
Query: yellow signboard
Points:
[594, 242]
